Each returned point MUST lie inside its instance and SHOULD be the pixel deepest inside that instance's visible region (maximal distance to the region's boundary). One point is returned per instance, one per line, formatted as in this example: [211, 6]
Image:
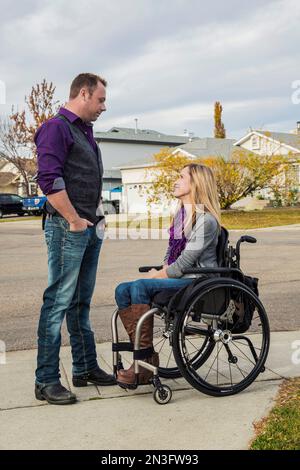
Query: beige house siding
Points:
[266, 147]
[263, 144]
[11, 188]
[135, 182]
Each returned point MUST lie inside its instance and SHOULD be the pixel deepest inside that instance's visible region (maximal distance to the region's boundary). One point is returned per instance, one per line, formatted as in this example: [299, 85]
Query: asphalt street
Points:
[275, 260]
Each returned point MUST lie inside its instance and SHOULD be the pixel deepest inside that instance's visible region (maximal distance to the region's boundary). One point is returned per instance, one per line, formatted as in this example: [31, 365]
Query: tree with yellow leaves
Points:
[239, 176]
[220, 132]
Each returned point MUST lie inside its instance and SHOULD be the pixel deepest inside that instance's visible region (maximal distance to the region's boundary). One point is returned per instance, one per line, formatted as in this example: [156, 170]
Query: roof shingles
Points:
[290, 139]
[139, 135]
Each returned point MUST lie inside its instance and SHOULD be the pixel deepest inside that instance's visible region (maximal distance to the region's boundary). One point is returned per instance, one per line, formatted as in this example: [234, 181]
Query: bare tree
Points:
[17, 131]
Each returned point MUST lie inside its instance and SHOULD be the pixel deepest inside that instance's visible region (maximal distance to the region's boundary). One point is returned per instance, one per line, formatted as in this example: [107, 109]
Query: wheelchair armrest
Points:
[145, 269]
[210, 270]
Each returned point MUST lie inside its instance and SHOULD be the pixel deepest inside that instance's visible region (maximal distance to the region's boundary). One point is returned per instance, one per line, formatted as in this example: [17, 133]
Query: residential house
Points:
[121, 145]
[138, 175]
[11, 181]
[265, 142]
[9, 178]
[128, 149]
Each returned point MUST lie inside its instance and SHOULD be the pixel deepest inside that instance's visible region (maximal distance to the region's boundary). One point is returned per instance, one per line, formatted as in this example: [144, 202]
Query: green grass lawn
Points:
[260, 219]
[281, 429]
[230, 219]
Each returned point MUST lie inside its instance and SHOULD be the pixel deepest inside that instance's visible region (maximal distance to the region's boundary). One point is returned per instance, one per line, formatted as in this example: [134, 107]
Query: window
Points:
[255, 142]
[297, 173]
[15, 199]
[33, 188]
[293, 174]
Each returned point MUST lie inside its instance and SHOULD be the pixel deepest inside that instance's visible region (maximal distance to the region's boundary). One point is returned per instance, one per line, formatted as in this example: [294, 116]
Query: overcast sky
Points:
[166, 61]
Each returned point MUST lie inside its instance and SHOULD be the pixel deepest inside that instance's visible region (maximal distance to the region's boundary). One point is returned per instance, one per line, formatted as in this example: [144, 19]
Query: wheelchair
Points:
[214, 332]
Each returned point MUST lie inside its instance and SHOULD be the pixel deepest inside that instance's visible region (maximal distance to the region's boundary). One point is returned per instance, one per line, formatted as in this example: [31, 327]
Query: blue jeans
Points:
[72, 267]
[142, 291]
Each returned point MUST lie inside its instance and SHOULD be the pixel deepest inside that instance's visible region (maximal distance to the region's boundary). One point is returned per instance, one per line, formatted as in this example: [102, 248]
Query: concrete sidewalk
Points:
[111, 418]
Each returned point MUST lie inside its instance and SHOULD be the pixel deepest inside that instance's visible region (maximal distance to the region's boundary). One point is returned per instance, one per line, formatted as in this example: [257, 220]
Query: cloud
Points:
[166, 61]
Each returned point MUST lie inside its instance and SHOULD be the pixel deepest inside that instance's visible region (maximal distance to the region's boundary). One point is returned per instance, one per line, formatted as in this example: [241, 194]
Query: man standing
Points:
[70, 173]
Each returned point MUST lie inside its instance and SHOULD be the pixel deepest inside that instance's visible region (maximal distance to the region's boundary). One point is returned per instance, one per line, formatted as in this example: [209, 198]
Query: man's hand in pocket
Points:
[79, 225]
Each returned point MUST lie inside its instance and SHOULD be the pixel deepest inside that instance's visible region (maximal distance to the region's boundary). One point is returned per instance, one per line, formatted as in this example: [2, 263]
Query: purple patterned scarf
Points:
[177, 240]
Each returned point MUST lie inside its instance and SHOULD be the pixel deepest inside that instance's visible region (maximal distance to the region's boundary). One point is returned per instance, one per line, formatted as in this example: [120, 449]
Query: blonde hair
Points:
[203, 191]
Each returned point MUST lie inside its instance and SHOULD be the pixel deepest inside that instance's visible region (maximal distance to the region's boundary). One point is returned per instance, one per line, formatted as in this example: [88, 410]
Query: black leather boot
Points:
[96, 377]
[55, 394]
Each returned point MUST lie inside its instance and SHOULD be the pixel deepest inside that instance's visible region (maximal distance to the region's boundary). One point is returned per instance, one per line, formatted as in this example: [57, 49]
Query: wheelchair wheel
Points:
[162, 395]
[162, 341]
[218, 314]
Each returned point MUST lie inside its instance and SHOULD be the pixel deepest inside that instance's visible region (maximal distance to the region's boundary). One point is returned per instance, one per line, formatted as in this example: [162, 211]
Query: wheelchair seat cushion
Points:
[168, 297]
[163, 297]
[171, 296]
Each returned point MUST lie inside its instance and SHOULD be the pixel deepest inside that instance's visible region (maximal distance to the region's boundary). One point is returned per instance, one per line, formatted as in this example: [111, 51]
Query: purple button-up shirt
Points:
[54, 141]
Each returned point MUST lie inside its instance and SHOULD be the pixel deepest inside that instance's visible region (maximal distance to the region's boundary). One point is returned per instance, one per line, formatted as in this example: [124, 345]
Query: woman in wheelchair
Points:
[193, 240]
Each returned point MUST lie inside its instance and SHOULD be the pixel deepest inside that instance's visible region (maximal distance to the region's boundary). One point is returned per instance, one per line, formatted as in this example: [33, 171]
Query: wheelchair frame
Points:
[229, 265]
[162, 393]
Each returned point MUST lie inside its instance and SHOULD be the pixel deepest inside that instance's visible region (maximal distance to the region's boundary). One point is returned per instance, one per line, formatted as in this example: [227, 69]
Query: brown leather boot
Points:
[145, 374]
[130, 317]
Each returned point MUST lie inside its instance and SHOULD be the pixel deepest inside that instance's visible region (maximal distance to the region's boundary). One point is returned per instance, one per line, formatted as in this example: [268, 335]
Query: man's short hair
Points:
[88, 80]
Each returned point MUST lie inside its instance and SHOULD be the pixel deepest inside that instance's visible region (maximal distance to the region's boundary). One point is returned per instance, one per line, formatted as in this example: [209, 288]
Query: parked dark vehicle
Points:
[11, 204]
